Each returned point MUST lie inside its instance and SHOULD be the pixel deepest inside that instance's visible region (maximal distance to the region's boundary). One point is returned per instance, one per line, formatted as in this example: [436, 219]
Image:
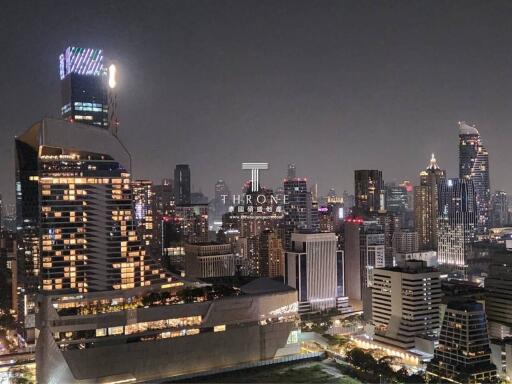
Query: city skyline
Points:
[335, 93]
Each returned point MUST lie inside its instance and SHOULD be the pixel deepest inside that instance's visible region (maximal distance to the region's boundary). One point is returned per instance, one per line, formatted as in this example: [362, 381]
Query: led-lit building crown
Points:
[83, 61]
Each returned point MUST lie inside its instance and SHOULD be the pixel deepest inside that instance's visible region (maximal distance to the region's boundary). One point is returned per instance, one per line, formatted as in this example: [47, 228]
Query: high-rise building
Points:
[463, 354]
[426, 205]
[457, 220]
[84, 86]
[182, 184]
[80, 200]
[474, 165]
[405, 241]
[499, 211]
[299, 209]
[397, 199]
[405, 303]
[314, 267]
[292, 171]
[220, 204]
[369, 191]
[270, 254]
[498, 285]
[143, 204]
[364, 250]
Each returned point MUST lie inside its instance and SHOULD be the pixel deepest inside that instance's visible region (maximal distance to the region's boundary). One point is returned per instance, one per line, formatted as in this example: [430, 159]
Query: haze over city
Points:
[332, 86]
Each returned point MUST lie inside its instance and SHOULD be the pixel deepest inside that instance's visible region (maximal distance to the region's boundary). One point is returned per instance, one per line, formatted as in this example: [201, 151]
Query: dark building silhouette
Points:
[182, 184]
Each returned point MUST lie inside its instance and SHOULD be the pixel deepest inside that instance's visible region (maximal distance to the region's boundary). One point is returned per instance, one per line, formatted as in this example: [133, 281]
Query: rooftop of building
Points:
[265, 285]
[468, 305]
[411, 266]
[466, 129]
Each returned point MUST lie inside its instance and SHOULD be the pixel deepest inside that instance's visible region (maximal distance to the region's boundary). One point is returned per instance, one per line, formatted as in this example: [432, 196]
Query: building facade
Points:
[463, 354]
[314, 267]
[474, 165]
[369, 191]
[457, 221]
[405, 303]
[426, 205]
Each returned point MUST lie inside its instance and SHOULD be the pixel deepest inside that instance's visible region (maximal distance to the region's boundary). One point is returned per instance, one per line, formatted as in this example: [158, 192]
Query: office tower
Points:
[163, 208]
[298, 209]
[364, 251]
[198, 198]
[193, 220]
[457, 220]
[397, 200]
[426, 204]
[207, 260]
[499, 211]
[405, 241]
[220, 204]
[369, 188]
[390, 223]
[270, 254]
[463, 353]
[182, 184]
[348, 204]
[292, 172]
[84, 86]
[405, 303]
[144, 204]
[498, 285]
[409, 188]
[314, 267]
[474, 165]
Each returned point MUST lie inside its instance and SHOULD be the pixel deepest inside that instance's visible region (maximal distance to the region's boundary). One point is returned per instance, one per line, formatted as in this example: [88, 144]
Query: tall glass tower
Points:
[474, 165]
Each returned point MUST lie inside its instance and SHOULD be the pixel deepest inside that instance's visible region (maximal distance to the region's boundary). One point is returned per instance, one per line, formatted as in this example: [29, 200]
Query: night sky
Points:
[330, 85]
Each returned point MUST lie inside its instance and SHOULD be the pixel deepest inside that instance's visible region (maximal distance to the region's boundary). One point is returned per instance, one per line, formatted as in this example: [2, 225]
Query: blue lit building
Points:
[84, 86]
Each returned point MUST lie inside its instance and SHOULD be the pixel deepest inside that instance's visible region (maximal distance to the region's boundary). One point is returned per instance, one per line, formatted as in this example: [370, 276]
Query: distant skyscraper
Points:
[298, 209]
[397, 200]
[474, 165]
[270, 254]
[364, 251]
[84, 82]
[457, 219]
[291, 174]
[182, 184]
[220, 204]
[500, 215]
[143, 204]
[368, 191]
[426, 204]
[314, 267]
[463, 354]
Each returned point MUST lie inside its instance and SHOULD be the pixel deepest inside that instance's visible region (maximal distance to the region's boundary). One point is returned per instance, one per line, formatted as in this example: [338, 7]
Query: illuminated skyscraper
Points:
[182, 184]
[369, 191]
[474, 165]
[143, 201]
[457, 220]
[426, 203]
[76, 190]
[84, 86]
